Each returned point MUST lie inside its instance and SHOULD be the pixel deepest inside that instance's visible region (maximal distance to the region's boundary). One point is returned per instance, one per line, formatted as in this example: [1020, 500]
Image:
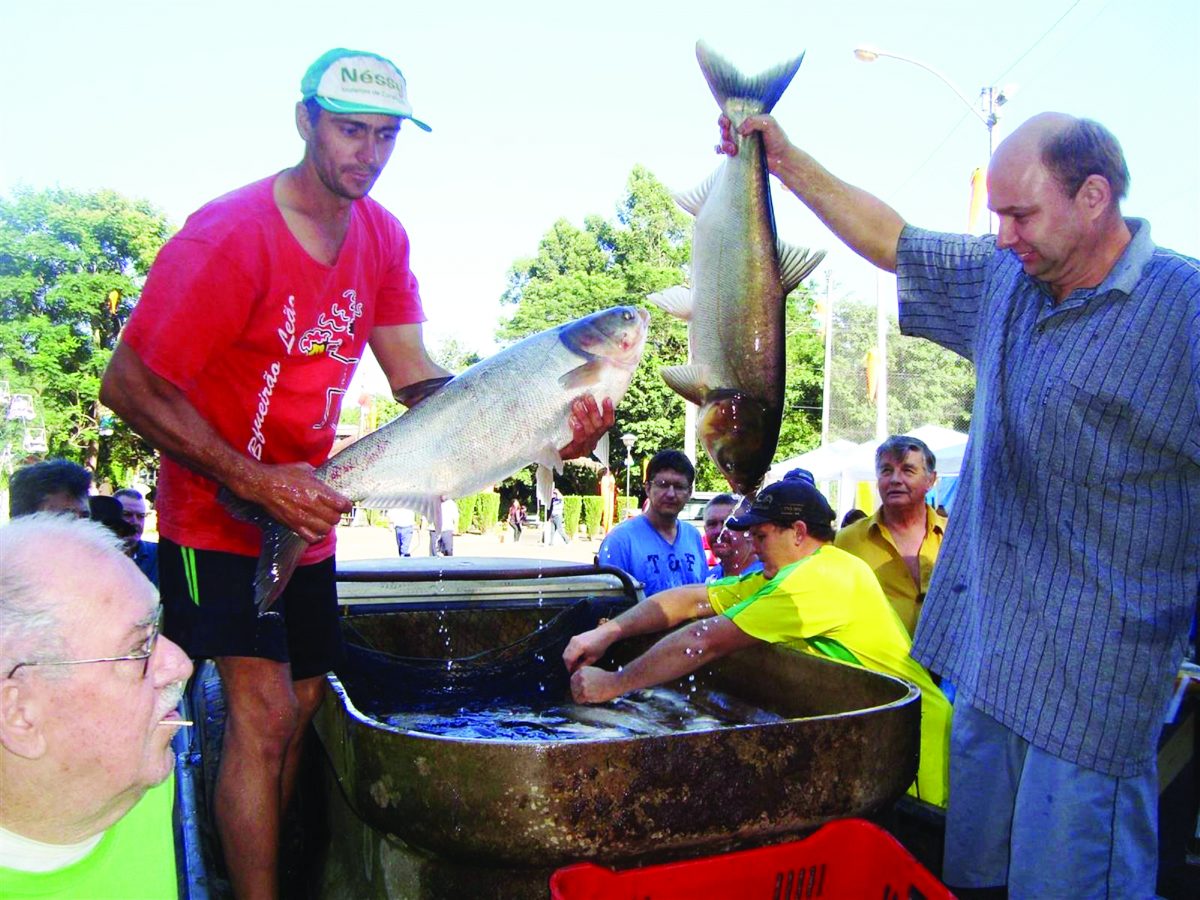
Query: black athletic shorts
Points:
[208, 607]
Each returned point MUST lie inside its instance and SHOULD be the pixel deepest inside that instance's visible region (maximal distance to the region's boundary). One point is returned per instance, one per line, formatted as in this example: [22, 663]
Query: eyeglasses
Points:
[676, 486]
[143, 653]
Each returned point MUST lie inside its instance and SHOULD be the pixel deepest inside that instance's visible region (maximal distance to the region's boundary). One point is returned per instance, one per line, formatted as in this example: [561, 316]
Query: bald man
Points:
[1063, 594]
[88, 691]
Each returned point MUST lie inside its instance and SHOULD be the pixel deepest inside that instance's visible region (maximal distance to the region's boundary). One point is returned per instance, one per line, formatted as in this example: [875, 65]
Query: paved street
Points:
[371, 542]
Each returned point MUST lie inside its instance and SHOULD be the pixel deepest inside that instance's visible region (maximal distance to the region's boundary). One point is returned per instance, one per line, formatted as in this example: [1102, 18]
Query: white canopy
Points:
[848, 463]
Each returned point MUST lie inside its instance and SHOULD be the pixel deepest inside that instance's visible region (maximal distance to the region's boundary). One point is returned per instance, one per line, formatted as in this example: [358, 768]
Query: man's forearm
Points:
[159, 412]
[662, 611]
[866, 224]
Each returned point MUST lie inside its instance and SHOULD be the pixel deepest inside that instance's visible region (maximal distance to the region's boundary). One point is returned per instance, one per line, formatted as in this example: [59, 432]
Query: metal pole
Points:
[827, 391]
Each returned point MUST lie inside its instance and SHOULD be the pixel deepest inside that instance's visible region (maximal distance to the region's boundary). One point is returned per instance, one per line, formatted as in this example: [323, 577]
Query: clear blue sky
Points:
[541, 109]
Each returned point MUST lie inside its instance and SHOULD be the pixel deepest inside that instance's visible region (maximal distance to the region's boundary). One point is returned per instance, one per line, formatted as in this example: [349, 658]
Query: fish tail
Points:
[281, 552]
[281, 549]
[726, 82]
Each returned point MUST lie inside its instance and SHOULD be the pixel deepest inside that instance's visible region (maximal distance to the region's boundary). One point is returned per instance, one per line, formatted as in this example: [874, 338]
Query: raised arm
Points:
[159, 412]
[866, 224]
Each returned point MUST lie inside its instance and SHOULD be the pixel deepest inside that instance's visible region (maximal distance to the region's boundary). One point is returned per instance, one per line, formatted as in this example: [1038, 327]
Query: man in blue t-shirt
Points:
[654, 547]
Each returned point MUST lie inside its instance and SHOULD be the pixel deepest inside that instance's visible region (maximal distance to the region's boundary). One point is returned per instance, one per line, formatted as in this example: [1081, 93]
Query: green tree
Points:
[609, 263]
[71, 268]
[646, 248]
[926, 384]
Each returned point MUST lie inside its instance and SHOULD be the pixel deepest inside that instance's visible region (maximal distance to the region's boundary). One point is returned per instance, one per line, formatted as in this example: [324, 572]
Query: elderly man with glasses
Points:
[88, 692]
[654, 548]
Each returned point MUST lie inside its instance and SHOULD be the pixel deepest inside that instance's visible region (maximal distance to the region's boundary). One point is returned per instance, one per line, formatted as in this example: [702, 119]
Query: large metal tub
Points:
[848, 746]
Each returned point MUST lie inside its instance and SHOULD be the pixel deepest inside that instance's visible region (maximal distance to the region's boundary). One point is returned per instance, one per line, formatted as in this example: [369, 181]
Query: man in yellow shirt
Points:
[809, 596]
[901, 541]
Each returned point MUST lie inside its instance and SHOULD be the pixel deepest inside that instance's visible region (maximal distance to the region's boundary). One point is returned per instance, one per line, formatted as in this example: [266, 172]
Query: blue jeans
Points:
[1044, 827]
[404, 536]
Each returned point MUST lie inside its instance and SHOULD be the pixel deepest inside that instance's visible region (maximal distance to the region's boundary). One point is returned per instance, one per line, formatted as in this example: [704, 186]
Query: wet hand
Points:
[584, 649]
[589, 422]
[592, 685]
[775, 141]
[293, 496]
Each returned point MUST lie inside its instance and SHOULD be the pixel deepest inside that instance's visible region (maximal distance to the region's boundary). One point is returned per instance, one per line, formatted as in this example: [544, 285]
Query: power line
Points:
[1032, 46]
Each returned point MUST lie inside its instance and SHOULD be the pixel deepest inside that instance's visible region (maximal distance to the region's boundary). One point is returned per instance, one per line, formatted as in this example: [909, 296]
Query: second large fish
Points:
[740, 277]
[511, 409]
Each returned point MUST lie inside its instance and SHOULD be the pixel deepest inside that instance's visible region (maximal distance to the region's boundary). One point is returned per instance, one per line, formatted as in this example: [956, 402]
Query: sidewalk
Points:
[376, 542]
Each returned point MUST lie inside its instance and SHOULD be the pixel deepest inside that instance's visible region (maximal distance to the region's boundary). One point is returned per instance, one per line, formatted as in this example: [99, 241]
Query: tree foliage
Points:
[926, 384]
[645, 248]
[71, 268]
[609, 263]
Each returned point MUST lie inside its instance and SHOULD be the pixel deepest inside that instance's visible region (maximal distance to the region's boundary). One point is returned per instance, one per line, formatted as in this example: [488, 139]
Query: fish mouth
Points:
[740, 433]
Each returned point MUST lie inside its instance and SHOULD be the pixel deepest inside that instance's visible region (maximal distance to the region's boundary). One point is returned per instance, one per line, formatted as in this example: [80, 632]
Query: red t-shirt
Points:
[263, 340]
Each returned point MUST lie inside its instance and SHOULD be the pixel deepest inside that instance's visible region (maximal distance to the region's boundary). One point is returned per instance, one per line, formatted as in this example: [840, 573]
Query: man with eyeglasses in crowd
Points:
[653, 547]
[88, 693]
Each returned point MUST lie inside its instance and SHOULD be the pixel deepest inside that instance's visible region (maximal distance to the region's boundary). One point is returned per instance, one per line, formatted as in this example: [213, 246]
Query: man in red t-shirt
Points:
[234, 365]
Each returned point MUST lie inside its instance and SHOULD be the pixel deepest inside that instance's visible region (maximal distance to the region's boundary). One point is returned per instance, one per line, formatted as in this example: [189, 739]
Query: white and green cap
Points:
[354, 81]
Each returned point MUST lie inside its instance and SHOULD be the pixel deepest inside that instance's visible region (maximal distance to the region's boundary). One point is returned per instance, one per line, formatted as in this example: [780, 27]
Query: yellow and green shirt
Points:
[830, 604]
[870, 540]
[135, 860]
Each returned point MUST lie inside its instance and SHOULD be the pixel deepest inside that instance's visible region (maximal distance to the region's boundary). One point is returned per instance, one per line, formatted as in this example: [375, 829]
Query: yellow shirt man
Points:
[829, 604]
[870, 540]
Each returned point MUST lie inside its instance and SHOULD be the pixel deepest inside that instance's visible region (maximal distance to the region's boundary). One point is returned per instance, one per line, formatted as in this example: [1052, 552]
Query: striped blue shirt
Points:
[1062, 597]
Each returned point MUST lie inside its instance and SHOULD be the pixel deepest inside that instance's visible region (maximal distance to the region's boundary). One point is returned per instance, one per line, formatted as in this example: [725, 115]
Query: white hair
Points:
[37, 551]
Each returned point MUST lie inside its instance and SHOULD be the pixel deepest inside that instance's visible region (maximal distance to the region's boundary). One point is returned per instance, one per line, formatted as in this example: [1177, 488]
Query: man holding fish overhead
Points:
[1061, 629]
[234, 365]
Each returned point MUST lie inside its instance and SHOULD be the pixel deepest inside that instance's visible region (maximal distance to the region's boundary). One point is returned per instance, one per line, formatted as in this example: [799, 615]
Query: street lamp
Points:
[628, 440]
[991, 97]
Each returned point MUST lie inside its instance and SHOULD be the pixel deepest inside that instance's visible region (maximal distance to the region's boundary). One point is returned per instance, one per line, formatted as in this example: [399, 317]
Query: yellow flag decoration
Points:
[871, 363]
[977, 211]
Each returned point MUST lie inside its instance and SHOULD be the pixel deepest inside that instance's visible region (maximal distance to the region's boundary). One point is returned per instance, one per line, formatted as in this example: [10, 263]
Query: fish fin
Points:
[426, 505]
[726, 82]
[691, 201]
[602, 449]
[582, 377]
[280, 554]
[242, 510]
[674, 300]
[689, 382]
[550, 459]
[545, 483]
[796, 264]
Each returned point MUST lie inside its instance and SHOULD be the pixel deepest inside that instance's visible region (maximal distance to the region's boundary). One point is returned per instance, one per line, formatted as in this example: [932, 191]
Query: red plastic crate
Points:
[849, 858]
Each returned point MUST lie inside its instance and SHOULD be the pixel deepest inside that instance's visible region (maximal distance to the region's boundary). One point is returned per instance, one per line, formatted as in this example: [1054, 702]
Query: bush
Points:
[487, 510]
[466, 511]
[572, 507]
[593, 507]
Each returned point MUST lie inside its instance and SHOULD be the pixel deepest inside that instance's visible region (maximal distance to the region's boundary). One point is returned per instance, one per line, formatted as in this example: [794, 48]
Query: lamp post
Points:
[991, 98]
[628, 440]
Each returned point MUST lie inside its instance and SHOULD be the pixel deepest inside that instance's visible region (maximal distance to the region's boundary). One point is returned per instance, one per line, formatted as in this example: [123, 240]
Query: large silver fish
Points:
[740, 277]
[503, 413]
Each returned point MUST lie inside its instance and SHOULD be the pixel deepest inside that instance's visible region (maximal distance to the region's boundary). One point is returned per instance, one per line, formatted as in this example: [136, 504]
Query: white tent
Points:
[825, 463]
[848, 463]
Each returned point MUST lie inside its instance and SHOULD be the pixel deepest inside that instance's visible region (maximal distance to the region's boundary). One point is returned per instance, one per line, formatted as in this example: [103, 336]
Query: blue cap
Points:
[794, 498]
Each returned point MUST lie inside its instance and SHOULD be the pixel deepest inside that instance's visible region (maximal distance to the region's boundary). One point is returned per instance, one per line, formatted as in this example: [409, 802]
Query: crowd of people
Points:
[1057, 604]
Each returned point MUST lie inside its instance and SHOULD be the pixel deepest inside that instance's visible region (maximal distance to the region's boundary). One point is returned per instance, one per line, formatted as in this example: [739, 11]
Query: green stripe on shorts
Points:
[189, 572]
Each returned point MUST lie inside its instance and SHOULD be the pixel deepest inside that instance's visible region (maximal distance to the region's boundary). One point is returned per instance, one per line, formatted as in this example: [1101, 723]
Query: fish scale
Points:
[741, 276]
